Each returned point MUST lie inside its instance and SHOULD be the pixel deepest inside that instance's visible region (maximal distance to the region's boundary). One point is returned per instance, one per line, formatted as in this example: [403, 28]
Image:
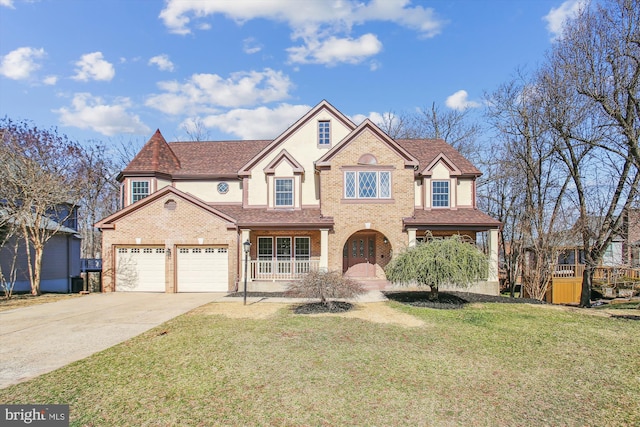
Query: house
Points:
[325, 194]
[60, 257]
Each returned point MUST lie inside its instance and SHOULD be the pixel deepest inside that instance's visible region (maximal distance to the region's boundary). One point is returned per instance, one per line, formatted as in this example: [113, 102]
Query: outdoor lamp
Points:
[247, 246]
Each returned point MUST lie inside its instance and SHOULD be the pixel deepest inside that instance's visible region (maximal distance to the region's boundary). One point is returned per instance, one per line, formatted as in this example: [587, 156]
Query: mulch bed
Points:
[446, 300]
[318, 307]
[452, 300]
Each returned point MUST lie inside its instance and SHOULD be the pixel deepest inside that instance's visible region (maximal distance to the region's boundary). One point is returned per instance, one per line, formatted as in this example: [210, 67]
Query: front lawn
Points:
[483, 365]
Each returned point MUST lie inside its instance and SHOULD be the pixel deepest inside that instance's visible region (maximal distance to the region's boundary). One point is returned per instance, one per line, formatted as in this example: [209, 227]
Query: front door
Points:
[359, 256]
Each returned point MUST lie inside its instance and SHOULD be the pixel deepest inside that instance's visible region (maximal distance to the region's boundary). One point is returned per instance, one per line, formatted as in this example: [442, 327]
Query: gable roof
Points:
[409, 160]
[109, 221]
[155, 156]
[323, 105]
[233, 159]
[284, 156]
[427, 150]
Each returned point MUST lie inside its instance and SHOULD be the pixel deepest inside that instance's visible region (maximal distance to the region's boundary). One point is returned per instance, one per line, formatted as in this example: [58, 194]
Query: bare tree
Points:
[455, 127]
[591, 87]
[99, 193]
[529, 188]
[196, 130]
[38, 186]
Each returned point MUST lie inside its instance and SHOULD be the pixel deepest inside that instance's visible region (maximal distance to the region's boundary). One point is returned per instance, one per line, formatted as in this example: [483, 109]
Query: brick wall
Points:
[350, 216]
[155, 224]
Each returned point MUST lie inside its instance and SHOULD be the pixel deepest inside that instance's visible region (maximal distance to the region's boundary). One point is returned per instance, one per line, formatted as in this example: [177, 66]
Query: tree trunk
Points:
[37, 270]
[433, 293]
[585, 295]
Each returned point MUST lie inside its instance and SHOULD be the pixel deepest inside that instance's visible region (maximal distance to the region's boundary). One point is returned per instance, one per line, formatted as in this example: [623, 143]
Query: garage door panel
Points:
[203, 269]
[140, 269]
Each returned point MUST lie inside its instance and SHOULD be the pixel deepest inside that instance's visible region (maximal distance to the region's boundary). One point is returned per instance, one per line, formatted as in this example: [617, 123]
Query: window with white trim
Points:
[283, 192]
[324, 133]
[139, 190]
[440, 194]
[367, 184]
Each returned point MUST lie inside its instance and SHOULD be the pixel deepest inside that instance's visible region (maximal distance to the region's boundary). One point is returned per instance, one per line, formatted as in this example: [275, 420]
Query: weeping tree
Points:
[450, 261]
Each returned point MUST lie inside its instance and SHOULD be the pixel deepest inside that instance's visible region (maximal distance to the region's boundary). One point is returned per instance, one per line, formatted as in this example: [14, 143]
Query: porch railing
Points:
[608, 274]
[568, 270]
[275, 269]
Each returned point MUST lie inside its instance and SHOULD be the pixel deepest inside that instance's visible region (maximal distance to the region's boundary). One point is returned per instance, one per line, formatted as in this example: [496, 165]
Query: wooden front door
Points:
[359, 256]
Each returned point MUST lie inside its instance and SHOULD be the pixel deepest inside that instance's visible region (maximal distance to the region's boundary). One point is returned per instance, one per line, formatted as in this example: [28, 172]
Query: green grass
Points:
[484, 365]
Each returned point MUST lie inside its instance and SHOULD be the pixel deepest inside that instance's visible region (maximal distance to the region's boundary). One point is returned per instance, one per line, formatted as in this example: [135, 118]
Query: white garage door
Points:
[203, 269]
[140, 269]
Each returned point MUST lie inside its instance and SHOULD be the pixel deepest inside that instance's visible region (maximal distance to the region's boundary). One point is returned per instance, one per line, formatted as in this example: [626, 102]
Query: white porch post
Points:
[244, 236]
[412, 236]
[324, 249]
[493, 255]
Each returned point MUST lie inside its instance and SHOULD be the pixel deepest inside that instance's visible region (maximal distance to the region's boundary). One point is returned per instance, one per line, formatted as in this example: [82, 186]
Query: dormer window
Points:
[283, 192]
[440, 194]
[324, 134]
[139, 190]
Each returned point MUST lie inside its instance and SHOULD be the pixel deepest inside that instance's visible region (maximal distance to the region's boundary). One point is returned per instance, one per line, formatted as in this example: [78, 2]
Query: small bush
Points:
[324, 285]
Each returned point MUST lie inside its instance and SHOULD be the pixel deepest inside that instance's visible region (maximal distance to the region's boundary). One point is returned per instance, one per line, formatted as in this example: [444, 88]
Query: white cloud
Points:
[558, 16]
[375, 117]
[50, 80]
[250, 46]
[91, 112]
[204, 93]
[163, 62]
[259, 123]
[334, 50]
[7, 3]
[458, 101]
[19, 64]
[324, 26]
[92, 66]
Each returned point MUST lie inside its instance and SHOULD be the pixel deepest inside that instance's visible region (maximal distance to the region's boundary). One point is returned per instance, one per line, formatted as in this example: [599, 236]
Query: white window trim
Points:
[134, 181]
[328, 144]
[275, 192]
[448, 193]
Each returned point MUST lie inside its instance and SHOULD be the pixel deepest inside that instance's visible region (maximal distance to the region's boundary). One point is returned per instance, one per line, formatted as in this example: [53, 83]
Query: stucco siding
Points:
[465, 193]
[302, 146]
[207, 190]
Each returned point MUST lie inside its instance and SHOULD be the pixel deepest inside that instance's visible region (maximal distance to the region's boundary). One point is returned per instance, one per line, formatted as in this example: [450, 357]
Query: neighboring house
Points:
[325, 194]
[631, 230]
[60, 258]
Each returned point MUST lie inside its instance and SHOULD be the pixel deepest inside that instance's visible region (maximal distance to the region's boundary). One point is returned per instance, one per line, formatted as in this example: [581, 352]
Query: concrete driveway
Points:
[41, 338]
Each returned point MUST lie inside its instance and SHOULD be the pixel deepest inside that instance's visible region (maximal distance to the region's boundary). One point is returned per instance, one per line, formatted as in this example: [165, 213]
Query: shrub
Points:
[324, 285]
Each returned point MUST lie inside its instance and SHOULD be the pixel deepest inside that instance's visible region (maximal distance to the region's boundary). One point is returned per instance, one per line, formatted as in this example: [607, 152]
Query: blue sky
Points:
[247, 69]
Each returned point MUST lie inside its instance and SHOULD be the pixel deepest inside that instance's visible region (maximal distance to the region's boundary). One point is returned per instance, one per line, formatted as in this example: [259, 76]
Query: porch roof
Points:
[449, 219]
[275, 218]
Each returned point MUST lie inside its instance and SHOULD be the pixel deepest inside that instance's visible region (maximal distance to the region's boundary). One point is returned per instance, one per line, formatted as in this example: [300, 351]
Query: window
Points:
[302, 253]
[367, 185]
[139, 190]
[223, 187]
[440, 194]
[324, 136]
[284, 192]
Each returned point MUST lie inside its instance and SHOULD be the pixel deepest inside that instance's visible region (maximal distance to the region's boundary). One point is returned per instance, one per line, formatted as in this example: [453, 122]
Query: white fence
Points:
[275, 269]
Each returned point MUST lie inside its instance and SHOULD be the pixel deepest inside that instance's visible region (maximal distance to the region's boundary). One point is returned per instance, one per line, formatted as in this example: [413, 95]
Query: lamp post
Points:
[247, 247]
